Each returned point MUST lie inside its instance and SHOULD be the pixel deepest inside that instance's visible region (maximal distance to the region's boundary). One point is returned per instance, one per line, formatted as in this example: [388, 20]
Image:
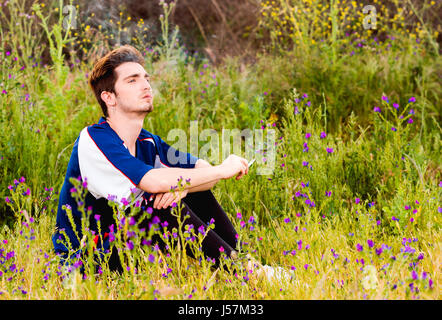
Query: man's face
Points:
[133, 92]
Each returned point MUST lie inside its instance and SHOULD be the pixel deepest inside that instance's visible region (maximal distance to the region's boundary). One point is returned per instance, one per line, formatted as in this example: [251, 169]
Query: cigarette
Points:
[251, 162]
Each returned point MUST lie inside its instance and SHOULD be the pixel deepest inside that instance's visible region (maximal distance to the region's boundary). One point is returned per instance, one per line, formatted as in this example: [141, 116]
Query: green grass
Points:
[377, 186]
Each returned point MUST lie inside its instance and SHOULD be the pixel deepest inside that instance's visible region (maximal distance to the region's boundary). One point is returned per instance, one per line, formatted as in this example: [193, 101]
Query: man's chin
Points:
[148, 108]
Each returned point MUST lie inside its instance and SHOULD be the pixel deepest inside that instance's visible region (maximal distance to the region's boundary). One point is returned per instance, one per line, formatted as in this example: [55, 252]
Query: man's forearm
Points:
[162, 179]
[201, 163]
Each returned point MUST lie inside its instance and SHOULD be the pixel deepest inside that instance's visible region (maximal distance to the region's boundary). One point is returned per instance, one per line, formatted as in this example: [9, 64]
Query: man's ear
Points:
[108, 98]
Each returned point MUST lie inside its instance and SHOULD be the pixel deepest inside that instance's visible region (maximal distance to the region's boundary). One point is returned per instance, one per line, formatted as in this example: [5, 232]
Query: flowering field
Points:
[352, 209]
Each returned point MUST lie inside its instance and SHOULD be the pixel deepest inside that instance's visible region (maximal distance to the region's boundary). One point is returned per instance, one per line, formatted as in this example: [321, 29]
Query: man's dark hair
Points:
[103, 76]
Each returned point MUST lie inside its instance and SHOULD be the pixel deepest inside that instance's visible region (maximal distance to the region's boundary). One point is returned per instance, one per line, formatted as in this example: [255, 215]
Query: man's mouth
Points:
[147, 96]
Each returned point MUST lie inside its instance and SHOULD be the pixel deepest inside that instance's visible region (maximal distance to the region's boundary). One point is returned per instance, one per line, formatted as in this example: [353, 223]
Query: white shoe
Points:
[270, 273]
[274, 274]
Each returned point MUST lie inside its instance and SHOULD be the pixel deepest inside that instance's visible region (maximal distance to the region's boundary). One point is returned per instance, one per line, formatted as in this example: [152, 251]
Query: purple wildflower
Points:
[323, 135]
[377, 109]
[130, 245]
[370, 243]
[124, 201]
[414, 275]
[412, 99]
[359, 247]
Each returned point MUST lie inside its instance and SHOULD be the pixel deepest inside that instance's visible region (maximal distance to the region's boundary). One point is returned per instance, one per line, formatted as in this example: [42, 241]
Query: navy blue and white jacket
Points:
[102, 159]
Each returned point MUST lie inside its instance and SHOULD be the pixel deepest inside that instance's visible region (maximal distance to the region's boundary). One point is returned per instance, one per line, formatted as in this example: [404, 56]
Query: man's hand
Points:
[165, 200]
[234, 165]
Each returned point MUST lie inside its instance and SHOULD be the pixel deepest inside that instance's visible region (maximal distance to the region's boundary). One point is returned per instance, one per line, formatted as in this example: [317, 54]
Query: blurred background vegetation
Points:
[224, 63]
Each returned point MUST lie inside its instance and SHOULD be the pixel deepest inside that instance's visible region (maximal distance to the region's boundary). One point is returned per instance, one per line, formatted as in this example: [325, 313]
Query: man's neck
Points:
[127, 128]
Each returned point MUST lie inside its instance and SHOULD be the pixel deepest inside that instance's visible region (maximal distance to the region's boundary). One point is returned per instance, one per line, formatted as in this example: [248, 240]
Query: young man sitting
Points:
[117, 158]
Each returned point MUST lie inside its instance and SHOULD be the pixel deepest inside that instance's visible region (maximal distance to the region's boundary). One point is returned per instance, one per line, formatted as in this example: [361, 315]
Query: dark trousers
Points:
[201, 207]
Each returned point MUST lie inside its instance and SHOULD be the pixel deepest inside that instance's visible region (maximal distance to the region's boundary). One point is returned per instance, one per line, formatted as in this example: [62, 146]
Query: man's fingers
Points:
[165, 200]
[158, 197]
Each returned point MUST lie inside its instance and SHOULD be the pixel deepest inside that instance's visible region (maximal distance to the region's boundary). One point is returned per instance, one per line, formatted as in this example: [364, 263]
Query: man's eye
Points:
[133, 80]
